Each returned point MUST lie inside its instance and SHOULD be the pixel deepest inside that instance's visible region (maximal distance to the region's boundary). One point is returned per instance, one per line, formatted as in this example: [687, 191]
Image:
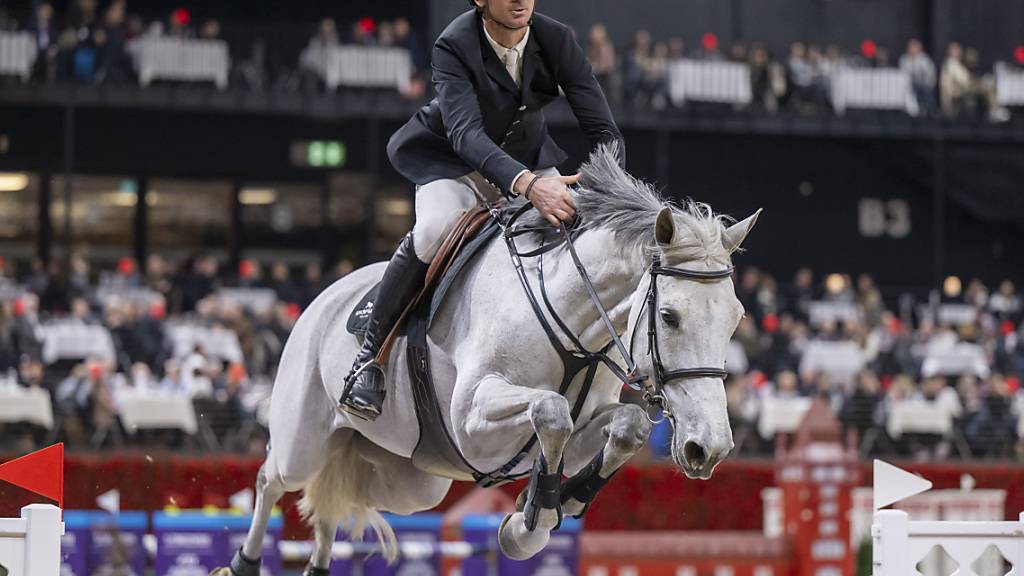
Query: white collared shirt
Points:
[515, 65]
[514, 68]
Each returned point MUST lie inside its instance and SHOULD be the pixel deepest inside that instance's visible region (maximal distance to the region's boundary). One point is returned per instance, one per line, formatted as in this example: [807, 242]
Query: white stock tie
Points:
[512, 64]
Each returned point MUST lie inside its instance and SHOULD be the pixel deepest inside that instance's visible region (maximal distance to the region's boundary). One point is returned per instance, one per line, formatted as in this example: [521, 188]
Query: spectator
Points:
[676, 48]
[281, 283]
[113, 62]
[313, 285]
[657, 77]
[803, 79]
[177, 24]
[313, 60]
[861, 410]
[636, 70]
[1005, 303]
[921, 69]
[955, 83]
[198, 282]
[762, 80]
[406, 38]
[601, 54]
[210, 30]
[45, 34]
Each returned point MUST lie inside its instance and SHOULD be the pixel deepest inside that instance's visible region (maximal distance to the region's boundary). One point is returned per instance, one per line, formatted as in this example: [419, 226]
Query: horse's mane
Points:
[609, 198]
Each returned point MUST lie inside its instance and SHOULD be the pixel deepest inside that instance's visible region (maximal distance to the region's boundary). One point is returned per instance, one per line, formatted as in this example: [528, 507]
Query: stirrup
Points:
[368, 413]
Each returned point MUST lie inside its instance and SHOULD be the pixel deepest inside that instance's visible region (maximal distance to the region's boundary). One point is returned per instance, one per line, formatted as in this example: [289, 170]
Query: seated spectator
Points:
[861, 411]
[992, 430]
[806, 89]
[1005, 303]
[921, 69]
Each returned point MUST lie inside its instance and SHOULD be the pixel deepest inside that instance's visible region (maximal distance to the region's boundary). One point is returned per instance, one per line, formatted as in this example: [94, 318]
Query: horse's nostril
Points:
[694, 454]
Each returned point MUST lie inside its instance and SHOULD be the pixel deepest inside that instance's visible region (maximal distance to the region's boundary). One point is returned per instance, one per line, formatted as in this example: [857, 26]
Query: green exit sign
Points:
[319, 153]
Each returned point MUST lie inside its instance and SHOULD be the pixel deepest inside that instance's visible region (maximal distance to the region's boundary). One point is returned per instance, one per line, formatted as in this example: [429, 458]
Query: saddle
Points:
[436, 451]
[472, 231]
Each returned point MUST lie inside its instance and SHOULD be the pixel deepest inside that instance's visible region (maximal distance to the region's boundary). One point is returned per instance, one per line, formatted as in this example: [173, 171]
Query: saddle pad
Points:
[360, 316]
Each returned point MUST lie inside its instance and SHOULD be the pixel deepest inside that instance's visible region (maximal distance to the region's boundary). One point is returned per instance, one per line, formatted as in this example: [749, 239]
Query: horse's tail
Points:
[340, 495]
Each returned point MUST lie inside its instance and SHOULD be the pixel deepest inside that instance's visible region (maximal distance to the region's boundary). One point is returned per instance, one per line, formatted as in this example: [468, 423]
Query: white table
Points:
[781, 415]
[181, 59]
[841, 360]
[149, 410]
[19, 404]
[736, 361]
[1009, 85]
[71, 340]
[216, 342]
[824, 311]
[257, 300]
[17, 54]
[709, 81]
[360, 66]
[962, 358]
[136, 296]
[918, 417]
[873, 88]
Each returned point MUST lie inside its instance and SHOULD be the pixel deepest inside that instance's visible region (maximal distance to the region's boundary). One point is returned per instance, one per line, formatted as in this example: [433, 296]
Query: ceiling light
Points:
[257, 196]
[13, 181]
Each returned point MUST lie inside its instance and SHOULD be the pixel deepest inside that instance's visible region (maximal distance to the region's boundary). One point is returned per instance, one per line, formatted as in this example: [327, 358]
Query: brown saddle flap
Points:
[464, 230]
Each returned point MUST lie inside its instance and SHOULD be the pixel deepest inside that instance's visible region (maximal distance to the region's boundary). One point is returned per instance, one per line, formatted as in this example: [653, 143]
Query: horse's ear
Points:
[664, 227]
[733, 236]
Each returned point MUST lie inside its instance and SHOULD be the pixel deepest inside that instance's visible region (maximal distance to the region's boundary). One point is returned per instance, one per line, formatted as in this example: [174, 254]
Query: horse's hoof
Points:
[221, 572]
[516, 541]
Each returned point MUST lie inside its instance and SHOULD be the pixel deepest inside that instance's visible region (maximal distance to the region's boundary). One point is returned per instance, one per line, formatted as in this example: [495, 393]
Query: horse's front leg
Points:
[497, 403]
[598, 450]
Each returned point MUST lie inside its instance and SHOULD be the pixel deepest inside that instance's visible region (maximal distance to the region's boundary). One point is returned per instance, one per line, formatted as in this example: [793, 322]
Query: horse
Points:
[497, 373]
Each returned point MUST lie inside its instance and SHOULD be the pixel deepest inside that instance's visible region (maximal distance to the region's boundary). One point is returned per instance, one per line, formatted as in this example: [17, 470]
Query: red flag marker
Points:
[41, 472]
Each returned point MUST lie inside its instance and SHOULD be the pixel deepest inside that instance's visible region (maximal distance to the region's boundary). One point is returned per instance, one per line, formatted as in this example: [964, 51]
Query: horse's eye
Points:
[670, 319]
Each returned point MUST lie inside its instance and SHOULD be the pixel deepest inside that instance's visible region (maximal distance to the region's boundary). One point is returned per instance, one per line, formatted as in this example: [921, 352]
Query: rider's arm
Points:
[585, 95]
[464, 123]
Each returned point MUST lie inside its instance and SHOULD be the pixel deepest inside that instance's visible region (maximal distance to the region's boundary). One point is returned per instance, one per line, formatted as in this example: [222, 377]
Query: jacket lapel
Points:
[531, 58]
[495, 68]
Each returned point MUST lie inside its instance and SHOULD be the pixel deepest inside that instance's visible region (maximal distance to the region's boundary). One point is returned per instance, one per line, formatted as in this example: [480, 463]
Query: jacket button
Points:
[523, 107]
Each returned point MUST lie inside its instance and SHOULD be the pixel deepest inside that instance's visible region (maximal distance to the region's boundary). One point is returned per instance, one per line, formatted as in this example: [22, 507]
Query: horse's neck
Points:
[615, 277]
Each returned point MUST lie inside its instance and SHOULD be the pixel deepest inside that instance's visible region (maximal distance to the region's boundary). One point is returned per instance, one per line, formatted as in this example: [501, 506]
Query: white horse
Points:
[497, 374]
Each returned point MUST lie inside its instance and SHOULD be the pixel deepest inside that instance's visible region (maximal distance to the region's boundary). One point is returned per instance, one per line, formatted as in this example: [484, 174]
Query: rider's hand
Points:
[551, 196]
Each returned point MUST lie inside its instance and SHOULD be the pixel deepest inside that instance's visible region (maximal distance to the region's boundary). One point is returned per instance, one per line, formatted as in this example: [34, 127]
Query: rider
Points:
[494, 68]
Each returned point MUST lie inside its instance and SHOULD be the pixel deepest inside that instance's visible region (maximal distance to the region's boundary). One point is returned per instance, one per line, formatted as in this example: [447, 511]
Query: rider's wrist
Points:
[529, 186]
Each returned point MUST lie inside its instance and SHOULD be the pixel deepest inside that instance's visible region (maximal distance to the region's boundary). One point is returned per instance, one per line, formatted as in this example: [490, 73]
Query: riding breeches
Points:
[441, 203]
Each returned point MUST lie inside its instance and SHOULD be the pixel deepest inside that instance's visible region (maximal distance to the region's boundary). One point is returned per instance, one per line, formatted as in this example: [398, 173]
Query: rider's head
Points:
[510, 14]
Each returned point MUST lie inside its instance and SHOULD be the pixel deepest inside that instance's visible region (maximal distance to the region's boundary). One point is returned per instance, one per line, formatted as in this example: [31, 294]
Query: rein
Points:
[628, 374]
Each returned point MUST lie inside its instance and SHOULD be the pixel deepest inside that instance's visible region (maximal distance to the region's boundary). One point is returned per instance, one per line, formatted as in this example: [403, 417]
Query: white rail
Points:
[900, 544]
[30, 545]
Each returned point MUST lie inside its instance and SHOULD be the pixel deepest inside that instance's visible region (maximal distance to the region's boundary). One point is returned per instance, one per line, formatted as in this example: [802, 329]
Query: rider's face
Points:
[510, 13]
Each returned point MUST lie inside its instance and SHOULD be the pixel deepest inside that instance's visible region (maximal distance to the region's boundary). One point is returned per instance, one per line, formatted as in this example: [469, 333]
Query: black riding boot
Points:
[364, 385]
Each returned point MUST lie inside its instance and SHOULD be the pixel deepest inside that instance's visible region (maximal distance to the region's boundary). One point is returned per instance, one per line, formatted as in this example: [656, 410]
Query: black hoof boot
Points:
[311, 571]
[542, 493]
[242, 566]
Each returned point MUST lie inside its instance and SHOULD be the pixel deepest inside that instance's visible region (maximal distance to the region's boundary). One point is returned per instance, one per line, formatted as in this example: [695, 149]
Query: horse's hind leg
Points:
[496, 403]
[320, 563]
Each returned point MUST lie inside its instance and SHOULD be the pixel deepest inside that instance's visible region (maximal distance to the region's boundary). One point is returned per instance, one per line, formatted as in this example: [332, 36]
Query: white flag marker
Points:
[893, 484]
[242, 500]
[110, 501]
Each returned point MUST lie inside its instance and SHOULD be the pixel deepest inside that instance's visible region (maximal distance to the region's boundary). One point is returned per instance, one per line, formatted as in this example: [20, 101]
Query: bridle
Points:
[654, 393]
[651, 388]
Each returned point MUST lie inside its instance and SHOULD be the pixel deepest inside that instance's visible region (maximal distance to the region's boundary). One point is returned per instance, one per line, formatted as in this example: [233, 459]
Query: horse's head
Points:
[694, 315]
